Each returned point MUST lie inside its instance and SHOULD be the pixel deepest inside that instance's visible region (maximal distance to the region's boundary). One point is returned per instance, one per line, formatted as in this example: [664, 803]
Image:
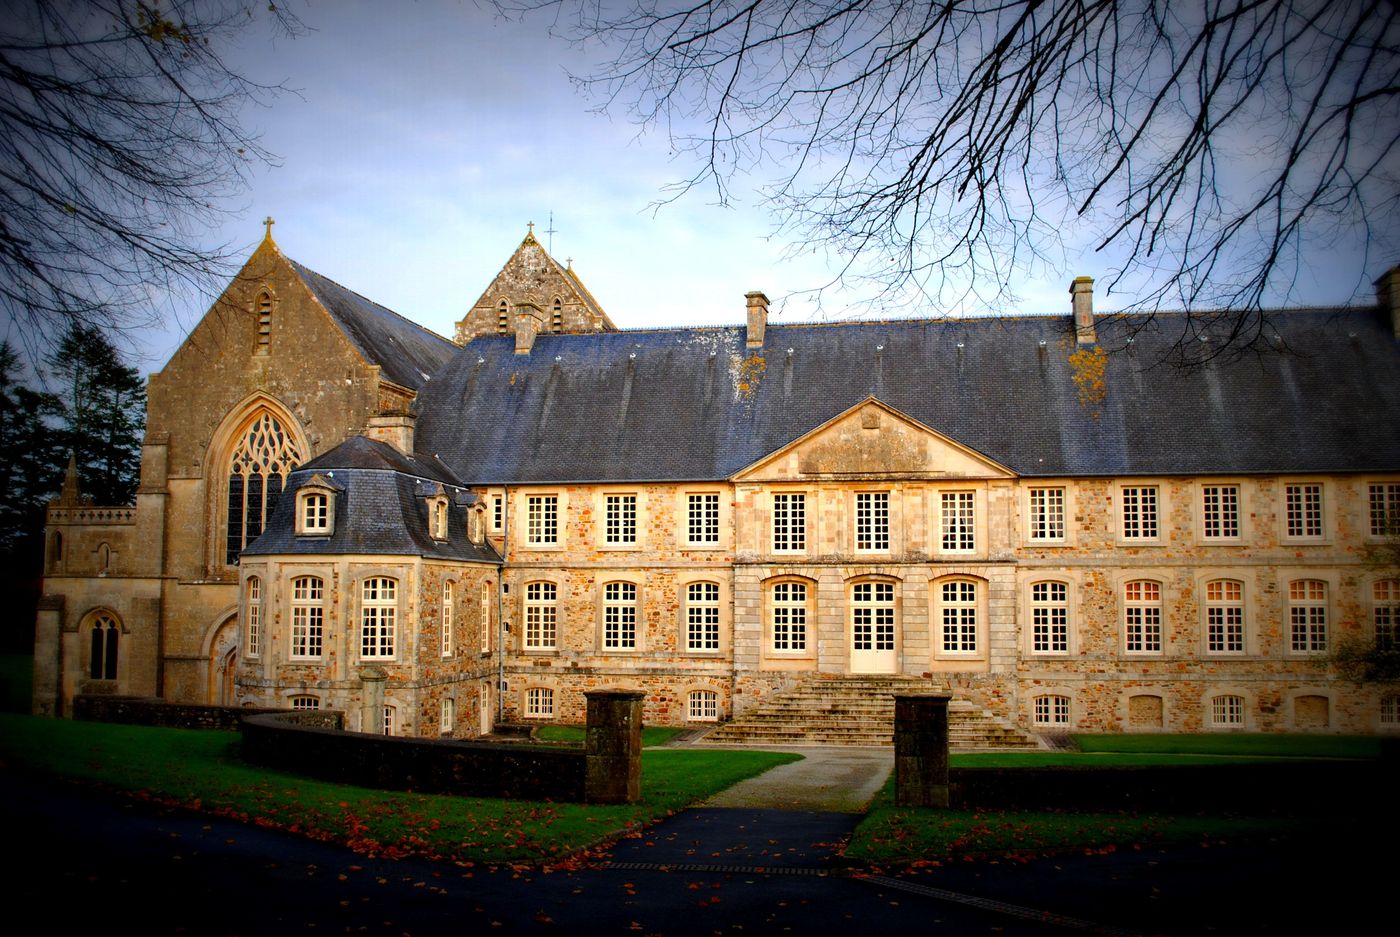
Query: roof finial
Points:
[570, 262]
[531, 226]
[268, 222]
[71, 493]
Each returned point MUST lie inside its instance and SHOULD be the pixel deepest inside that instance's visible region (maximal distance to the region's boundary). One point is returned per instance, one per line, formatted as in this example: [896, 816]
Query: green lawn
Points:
[202, 770]
[1238, 745]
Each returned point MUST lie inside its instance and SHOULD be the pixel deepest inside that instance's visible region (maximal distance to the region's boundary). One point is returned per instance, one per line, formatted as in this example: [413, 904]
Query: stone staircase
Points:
[860, 711]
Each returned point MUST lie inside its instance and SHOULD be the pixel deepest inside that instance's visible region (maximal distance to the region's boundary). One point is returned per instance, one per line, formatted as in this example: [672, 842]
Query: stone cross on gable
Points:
[268, 223]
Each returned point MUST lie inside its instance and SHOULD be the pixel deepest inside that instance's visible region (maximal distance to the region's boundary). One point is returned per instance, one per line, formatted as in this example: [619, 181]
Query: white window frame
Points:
[541, 613]
[539, 702]
[1390, 709]
[386, 725]
[1051, 709]
[872, 521]
[315, 512]
[437, 518]
[449, 599]
[1047, 510]
[702, 518]
[959, 616]
[957, 513]
[702, 706]
[1304, 514]
[1049, 607]
[788, 617]
[1227, 710]
[252, 592]
[789, 522]
[308, 618]
[1140, 513]
[1225, 625]
[702, 617]
[620, 618]
[485, 616]
[1385, 614]
[1383, 509]
[621, 514]
[1144, 633]
[542, 517]
[1222, 512]
[1309, 616]
[304, 703]
[379, 614]
[447, 715]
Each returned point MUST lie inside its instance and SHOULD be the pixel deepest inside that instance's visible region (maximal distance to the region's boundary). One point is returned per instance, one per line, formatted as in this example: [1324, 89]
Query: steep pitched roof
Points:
[693, 404]
[407, 353]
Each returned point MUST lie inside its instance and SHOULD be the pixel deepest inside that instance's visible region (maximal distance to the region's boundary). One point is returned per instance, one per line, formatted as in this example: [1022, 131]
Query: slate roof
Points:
[694, 404]
[381, 509]
[407, 353]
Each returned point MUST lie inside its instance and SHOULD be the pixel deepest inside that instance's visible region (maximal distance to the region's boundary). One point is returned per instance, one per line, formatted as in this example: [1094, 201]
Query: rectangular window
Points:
[1385, 613]
[958, 521]
[1307, 616]
[872, 521]
[486, 618]
[304, 703]
[307, 617]
[872, 616]
[1385, 509]
[1225, 617]
[542, 520]
[541, 616]
[789, 523]
[539, 703]
[619, 616]
[1227, 710]
[387, 725]
[703, 706]
[1047, 514]
[1052, 710]
[498, 512]
[315, 513]
[378, 610]
[1303, 511]
[254, 616]
[702, 518]
[959, 611]
[702, 616]
[620, 519]
[449, 714]
[1140, 513]
[448, 598]
[789, 604]
[1142, 613]
[1220, 512]
[1050, 617]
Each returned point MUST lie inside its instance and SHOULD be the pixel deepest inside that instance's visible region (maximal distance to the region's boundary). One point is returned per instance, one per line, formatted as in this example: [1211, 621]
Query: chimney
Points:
[396, 429]
[758, 318]
[528, 320]
[1081, 293]
[1388, 297]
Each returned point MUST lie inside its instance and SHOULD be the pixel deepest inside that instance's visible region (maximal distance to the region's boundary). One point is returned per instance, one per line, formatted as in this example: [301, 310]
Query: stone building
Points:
[1036, 513]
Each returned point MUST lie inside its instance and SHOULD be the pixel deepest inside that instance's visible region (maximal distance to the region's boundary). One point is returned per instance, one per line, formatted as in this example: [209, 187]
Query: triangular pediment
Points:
[872, 440]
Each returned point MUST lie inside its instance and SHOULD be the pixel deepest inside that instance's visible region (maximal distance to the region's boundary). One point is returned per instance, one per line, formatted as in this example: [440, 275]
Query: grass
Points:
[651, 735]
[1236, 745]
[202, 770]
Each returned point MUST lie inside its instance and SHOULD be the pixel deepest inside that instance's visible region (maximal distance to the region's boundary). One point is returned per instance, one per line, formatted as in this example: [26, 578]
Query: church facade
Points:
[340, 509]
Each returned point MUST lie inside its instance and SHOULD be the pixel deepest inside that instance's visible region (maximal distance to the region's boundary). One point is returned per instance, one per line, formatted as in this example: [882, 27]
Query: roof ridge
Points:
[301, 267]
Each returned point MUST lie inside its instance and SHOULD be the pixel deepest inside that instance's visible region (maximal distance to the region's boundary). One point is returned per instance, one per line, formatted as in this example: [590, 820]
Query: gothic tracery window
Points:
[261, 462]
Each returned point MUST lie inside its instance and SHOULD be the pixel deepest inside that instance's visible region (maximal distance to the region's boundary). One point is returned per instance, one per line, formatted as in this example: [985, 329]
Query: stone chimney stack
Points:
[758, 318]
[528, 320]
[1081, 293]
[394, 428]
[1388, 297]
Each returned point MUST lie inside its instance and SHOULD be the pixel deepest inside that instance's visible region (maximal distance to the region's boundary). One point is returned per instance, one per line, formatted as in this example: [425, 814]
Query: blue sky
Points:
[424, 137]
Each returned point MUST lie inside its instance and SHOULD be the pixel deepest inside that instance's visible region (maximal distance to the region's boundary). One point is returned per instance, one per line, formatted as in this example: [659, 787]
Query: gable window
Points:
[539, 703]
[1385, 613]
[378, 611]
[542, 520]
[1307, 616]
[253, 602]
[315, 513]
[620, 616]
[1047, 514]
[541, 616]
[702, 706]
[556, 320]
[1140, 513]
[307, 617]
[702, 518]
[1052, 710]
[1303, 511]
[1049, 617]
[1227, 710]
[788, 601]
[503, 318]
[448, 598]
[305, 703]
[958, 521]
[1142, 617]
[258, 470]
[1220, 512]
[1225, 616]
[620, 519]
[789, 522]
[486, 618]
[872, 521]
[1385, 509]
[702, 616]
[958, 612]
[102, 652]
[264, 323]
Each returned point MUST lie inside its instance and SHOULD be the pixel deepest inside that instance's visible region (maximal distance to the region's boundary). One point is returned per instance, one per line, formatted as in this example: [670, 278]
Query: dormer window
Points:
[437, 516]
[476, 529]
[315, 512]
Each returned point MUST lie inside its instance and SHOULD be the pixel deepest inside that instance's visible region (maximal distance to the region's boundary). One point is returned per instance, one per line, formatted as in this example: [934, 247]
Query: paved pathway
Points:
[827, 779]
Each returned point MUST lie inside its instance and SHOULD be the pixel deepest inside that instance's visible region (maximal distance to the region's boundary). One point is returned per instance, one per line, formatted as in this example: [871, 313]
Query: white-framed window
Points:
[788, 607]
[308, 617]
[104, 639]
[872, 521]
[1220, 512]
[386, 725]
[958, 513]
[1390, 709]
[379, 606]
[541, 520]
[498, 513]
[1307, 616]
[1052, 710]
[1225, 616]
[437, 512]
[702, 518]
[1047, 514]
[304, 703]
[485, 617]
[789, 522]
[619, 616]
[1142, 617]
[315, 512]
[253, 600]
[541, 616]
[447, 718]
[1383, 499]
[539, 703]
[702, 706]
[1385, 613]
[449, 599]
[957, 633]
[1050, 617]
[1227, 710]
[702, 616]
[1302, 511]
[620, 519]
[1140, 509]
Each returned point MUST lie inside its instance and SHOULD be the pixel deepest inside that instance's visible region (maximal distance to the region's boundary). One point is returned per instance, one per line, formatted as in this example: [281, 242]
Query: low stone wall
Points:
[151, 711]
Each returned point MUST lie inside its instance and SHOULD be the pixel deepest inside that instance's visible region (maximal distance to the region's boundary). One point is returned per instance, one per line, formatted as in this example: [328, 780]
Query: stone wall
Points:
[131, 710]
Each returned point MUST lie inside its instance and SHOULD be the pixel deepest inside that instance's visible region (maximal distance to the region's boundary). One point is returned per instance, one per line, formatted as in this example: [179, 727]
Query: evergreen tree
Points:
[103, 414]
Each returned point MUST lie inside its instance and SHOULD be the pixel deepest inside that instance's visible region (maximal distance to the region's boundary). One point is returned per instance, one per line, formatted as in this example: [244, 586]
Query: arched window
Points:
[1142, 617]
[1390, 709]
[1225, 616]
[1050, 617]
[304, 703]
[556, 322]
[1227, 710]
[379, 605]
[503, 318]
[253, 601]
[788, 604]
[702, 616]
[102, 661]
[541, 616]
[539, 703]
[619, 616]
[263, 458]
[1052, 710]
[958, 608]
[1307, 616]
[104, 557]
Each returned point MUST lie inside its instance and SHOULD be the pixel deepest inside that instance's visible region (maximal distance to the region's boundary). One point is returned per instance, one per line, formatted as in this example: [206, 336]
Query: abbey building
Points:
[340, 509]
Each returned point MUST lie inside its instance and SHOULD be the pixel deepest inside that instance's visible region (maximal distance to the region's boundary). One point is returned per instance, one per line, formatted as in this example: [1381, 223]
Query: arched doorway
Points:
[223, 663]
